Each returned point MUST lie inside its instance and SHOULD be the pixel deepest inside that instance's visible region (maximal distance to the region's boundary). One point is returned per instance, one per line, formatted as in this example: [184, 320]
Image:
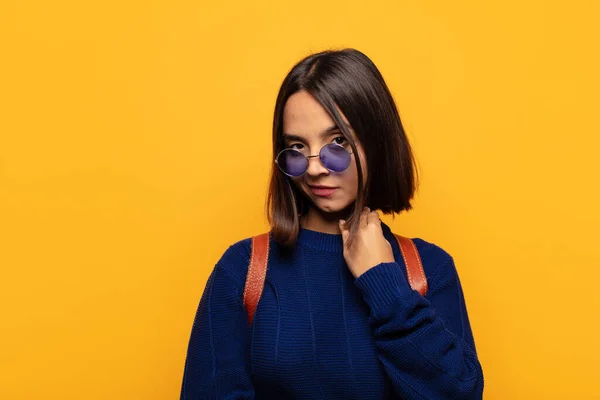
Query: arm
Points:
[424, 343]
[217, 363]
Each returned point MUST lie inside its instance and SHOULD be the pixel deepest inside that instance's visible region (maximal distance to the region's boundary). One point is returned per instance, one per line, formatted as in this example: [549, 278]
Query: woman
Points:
[337, 318]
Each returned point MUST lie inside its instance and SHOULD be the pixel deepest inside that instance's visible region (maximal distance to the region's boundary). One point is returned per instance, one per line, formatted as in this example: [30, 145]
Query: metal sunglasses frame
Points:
[308, 159]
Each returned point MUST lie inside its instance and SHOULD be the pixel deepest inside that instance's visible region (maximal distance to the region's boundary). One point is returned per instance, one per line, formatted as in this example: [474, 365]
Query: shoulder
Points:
[435, 259]
[236, 258]
[431, 251]
[438, 264]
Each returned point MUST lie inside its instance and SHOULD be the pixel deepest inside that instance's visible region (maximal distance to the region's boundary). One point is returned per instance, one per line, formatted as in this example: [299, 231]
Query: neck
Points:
[326, 222]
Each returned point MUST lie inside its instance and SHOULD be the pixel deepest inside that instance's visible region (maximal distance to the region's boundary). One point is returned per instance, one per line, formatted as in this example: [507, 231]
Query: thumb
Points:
[343, 229]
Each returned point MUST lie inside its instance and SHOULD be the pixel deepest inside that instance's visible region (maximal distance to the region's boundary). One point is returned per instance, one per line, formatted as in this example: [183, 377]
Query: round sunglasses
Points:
[333, 156]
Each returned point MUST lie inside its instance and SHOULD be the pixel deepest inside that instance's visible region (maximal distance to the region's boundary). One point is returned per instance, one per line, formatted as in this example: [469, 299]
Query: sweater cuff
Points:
[383, 284]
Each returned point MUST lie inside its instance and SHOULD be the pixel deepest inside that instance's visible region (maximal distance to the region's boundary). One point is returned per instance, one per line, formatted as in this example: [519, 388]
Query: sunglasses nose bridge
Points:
[317, 166]
[289, 162]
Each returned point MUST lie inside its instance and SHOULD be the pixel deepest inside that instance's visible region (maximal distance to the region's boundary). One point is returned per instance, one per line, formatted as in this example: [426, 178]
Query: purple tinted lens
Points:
[335, 157]
[292, 162]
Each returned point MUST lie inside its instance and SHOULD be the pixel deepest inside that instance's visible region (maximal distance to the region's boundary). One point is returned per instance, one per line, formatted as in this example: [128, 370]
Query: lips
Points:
[322, 191]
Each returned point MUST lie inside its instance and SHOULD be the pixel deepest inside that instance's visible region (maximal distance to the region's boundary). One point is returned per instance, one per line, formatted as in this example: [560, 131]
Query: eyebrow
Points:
[326, 132]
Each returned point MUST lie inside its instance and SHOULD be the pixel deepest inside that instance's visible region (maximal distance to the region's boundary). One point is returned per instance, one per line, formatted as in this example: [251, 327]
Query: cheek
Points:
[350, 179]
[297, 182]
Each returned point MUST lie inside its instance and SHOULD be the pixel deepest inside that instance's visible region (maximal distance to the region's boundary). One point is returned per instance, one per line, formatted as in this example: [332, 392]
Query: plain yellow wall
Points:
[135, 147]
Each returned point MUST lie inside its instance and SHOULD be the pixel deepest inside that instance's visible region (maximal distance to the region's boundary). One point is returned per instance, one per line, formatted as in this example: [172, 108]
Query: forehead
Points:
[304, 116]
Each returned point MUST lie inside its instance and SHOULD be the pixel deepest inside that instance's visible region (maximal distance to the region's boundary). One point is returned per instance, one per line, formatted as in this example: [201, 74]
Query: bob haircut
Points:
[347, 79]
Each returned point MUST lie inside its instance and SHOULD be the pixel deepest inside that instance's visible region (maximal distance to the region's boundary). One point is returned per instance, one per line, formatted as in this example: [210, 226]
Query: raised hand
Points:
[369, 248]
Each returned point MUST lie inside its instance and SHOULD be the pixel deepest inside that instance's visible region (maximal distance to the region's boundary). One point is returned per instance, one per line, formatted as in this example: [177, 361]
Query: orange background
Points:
[135, 147]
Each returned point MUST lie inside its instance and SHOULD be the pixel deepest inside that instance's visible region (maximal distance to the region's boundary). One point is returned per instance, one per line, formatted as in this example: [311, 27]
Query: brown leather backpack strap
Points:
[414, 266]
[257, 270]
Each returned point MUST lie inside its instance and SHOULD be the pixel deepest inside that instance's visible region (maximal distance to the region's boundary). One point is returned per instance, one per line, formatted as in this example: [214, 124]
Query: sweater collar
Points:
[327, 241]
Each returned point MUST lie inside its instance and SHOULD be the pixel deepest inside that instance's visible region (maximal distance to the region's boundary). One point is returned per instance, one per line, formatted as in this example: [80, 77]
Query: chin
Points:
[330, 205]
[335, 205]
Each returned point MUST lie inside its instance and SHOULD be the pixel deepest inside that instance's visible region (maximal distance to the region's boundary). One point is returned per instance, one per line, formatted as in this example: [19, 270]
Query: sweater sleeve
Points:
[217, 361]
[424, 343]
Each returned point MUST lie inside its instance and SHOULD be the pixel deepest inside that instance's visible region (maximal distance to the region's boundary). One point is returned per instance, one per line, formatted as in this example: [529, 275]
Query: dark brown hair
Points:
[349, 80]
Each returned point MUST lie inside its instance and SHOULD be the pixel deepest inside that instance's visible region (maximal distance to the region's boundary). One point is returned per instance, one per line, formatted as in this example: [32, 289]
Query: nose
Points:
[315, 167]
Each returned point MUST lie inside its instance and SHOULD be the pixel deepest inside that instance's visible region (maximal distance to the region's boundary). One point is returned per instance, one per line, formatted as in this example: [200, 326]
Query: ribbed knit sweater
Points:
[319, 333]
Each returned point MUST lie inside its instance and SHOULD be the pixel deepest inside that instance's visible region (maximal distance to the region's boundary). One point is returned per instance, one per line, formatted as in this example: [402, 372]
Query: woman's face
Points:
[306, 127]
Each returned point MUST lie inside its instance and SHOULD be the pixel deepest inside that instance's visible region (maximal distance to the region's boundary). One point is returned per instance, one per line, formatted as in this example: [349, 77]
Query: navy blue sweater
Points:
[319, 333]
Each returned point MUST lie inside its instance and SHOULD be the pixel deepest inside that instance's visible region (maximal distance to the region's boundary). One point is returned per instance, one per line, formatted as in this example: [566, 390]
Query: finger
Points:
[345, 235]
[363, 217]
[343, 230]
[373, 218]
